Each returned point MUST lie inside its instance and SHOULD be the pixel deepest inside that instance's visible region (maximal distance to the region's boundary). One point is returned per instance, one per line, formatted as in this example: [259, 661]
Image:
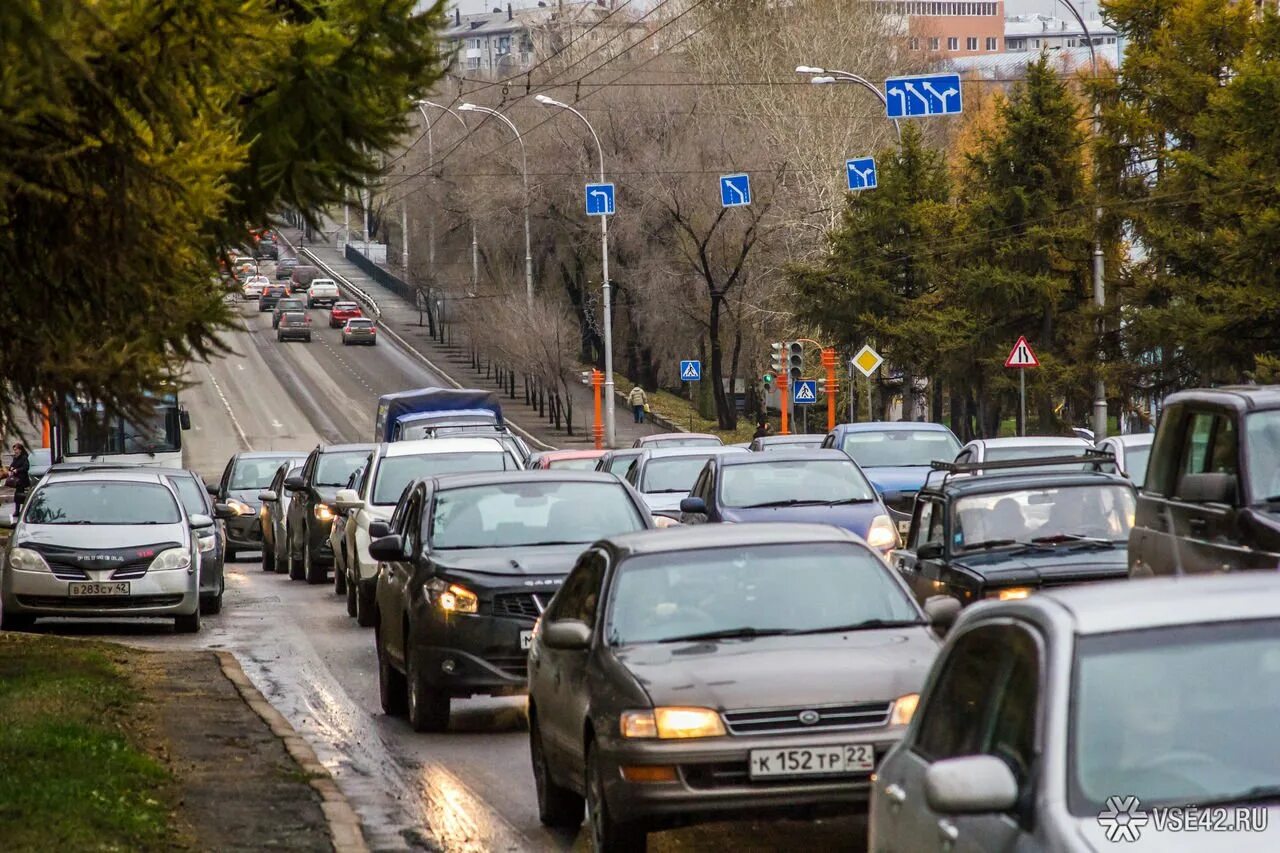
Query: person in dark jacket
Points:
[19, 475]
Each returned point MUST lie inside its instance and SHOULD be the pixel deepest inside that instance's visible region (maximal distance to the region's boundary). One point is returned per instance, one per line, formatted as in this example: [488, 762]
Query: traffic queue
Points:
[887, 624]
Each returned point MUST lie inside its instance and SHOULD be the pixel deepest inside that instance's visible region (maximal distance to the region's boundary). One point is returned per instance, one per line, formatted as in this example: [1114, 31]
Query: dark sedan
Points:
[819, 486]
[245, 476]
[273, 517]
[723, 672]
[467, 565]
[271, 296]
[309, 518]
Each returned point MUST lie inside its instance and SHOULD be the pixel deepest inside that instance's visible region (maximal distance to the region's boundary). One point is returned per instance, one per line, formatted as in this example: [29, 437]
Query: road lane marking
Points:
[226, 404]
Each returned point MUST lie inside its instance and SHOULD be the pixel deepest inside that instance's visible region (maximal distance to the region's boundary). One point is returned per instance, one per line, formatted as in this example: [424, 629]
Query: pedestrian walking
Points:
[639, 403]
[18, 475]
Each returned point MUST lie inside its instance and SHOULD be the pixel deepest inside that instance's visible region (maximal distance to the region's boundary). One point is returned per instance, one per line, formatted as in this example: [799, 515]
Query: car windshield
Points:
[584, 464]
[1063, 513]
[1262, 453]
[344, 306]
[191, 493]
[1175, 716]
[790, 588]
[672, 474]
[102, 503]
[334, 469]
[1135, 463]
[507, 515]
[793, 480]
[395, 472]
[894, 448]
[255, 472]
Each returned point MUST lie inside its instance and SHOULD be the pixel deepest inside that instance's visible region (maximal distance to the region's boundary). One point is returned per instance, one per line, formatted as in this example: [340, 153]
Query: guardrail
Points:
[391, 282]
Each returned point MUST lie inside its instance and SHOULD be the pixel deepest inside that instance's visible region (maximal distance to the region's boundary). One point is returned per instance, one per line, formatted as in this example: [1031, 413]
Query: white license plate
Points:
[526, 639]
[837, 760]
[111, 588]
[904, 527]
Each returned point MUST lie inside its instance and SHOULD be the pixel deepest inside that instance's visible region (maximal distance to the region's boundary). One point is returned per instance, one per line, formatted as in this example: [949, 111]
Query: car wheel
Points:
[557, 806]
[428, 709]
[307, 339]
[268, 558]
[281, 558]
[211, 605]
[391, 686]
[296, 571]
[313, 573]
[351, 598]
[365, 615]
[339, 580]
[16, 622]
[607, 834]
[188, 624]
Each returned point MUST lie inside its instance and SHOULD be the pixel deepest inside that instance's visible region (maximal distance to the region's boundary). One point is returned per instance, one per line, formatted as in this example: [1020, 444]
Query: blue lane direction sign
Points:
[690, 371]
[923, 95]
[735, 190]
[600, 199]
[804, 392]
[861, 172]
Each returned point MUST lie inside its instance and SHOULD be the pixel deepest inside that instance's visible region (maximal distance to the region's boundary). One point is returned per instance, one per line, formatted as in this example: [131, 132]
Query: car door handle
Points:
[947, 832]
[895, 794]
[1197, 525]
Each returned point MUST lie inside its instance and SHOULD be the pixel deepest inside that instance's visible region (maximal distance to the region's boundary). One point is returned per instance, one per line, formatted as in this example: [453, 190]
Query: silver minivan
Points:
[103, 544]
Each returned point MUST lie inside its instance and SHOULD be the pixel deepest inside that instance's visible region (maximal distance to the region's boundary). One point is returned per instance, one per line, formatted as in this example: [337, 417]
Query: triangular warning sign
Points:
[690, 370]
[1021, 355]
[804, 392]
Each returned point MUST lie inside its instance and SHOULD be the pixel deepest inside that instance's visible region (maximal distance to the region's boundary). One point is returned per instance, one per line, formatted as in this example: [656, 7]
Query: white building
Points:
[1039, 32]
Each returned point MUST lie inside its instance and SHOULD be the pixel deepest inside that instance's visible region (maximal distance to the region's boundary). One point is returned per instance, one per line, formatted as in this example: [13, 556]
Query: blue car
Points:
[815, 486]
[895, 456]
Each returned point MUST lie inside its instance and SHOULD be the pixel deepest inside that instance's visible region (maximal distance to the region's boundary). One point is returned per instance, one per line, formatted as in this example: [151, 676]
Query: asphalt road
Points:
[467, 789]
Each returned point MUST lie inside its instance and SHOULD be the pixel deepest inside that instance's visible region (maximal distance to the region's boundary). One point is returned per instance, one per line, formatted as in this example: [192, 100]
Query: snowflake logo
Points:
[1124, 818]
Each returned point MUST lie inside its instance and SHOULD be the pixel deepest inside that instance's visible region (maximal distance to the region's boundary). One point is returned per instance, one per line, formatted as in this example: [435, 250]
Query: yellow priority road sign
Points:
[867, 360]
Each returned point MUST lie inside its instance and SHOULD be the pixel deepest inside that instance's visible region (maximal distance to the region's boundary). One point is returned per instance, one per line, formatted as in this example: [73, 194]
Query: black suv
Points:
[1012, 530]
[1211, 500]
[310, 515]
[467, 564]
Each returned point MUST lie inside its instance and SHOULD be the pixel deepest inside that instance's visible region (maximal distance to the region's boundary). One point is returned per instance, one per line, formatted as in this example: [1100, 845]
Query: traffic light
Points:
[768, 381]
[775, 360]
[795, 361]
[823, 388]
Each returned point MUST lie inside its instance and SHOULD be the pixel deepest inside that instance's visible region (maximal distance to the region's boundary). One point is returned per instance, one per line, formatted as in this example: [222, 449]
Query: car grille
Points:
[120, 602]
[520, 605]
[734, 774]
[516, 666]
[787, 720]
[69, 570]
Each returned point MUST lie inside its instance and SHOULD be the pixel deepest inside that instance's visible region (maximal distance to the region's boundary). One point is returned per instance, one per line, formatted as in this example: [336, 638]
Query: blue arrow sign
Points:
[735, 190]
[804, 392]
[923, 95]
[599, 199]
[861, 172]
[690, 371]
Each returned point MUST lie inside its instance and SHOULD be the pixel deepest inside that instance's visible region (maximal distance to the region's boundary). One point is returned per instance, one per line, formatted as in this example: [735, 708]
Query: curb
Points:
[344, 824]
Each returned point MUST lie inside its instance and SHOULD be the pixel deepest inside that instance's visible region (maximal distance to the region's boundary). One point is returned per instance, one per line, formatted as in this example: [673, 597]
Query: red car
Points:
[341, 312]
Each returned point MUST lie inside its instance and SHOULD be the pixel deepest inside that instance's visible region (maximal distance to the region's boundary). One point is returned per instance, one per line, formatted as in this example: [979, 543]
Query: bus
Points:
[84, 434]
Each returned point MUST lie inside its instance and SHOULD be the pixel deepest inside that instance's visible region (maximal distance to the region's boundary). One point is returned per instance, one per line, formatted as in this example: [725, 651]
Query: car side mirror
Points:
[971, 784]
[942, 612]
[378, 529]
[8, 521]
[929, 551]
[268, 496]
[295, 483]
[184, 419]
[387, 549]
[211, 489]
[1212, 488]
[347, 499]
[224, 511]
[199, 521]
[567, 634]
[693, 506]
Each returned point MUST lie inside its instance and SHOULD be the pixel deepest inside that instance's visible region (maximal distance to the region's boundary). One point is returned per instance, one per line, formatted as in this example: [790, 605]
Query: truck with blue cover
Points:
[413, 414]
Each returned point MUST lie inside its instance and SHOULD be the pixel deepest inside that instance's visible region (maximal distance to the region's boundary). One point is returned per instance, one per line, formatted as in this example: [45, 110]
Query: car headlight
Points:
[323, 512]
[904, 708]
[207, 543]
[240, 507]
[1010, 593]
[26, 560]
[672, 723]
[450, 597]
[882, 534]
[174, 558]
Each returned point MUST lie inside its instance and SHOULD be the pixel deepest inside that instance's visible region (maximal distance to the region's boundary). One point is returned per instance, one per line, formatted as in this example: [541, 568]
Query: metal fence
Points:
[391, 282]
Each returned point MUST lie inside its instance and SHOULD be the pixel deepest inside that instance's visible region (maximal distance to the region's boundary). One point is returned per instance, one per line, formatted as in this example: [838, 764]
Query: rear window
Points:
[359, 324]
[395, 472]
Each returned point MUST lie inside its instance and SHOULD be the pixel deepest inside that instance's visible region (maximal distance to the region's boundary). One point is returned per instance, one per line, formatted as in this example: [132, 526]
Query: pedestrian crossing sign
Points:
[690, 371]
[805, 392]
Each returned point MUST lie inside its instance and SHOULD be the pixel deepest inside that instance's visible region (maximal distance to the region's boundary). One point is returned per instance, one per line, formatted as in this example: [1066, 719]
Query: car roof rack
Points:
[1006, 467]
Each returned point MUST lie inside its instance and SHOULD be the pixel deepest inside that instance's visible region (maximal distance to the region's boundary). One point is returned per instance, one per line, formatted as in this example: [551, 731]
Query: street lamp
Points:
[824, 77]
[604, 260]
[524, 169]
[431, 231]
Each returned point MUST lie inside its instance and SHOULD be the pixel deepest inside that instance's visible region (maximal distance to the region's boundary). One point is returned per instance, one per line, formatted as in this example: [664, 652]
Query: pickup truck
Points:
[1211, 499]
[414, 414]
[323, 291]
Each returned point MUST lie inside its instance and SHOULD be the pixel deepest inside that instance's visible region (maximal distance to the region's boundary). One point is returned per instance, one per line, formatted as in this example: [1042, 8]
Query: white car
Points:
[323, 291]
[1131, 452]
[391, 467]
[1009, 449]
[253, 285]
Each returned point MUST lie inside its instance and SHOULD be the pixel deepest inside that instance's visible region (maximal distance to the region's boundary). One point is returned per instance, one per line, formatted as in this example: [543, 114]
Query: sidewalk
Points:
[401, 317]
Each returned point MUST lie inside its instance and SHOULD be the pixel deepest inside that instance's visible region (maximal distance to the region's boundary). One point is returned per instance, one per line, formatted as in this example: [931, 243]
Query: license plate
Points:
[526, 639]
[113, 588]
[835, 760]
[904, 527]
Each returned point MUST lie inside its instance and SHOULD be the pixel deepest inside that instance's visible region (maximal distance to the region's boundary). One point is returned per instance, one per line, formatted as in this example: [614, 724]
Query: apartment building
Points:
[1044, 32]
[952, 28]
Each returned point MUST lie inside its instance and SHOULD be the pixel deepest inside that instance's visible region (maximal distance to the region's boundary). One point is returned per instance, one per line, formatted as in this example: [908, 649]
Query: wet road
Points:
[467, 789]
